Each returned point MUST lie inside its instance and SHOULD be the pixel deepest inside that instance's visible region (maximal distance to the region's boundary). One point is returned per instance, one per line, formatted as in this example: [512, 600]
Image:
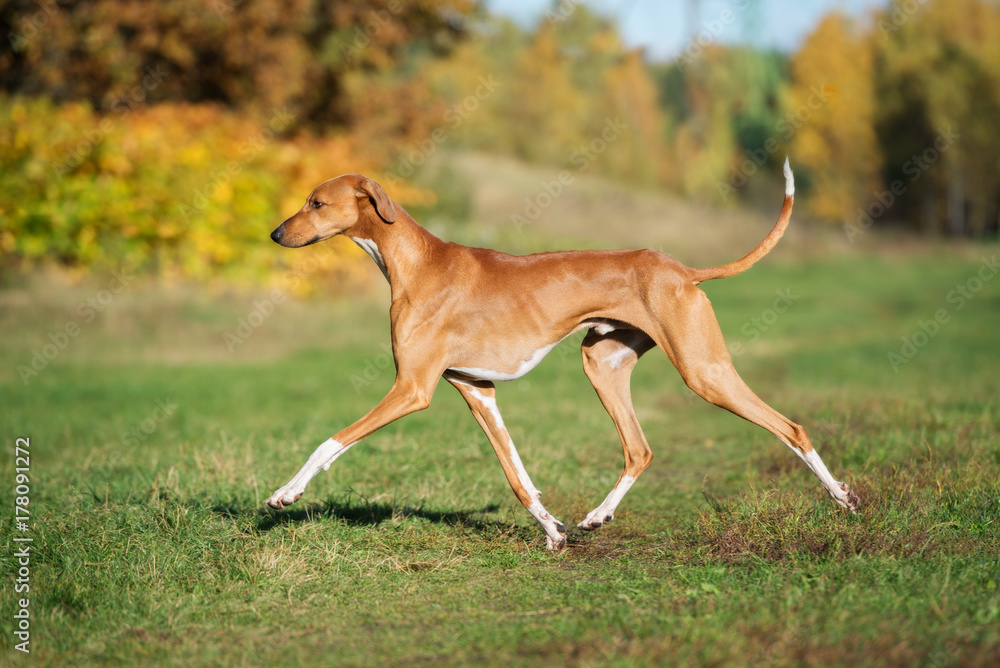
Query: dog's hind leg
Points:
[482, 399]
[608, 360]
[691, 337]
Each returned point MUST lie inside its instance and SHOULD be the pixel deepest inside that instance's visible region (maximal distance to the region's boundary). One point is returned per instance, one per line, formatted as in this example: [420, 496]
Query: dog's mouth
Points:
[297, 239]
[321, 237]
[293, 243]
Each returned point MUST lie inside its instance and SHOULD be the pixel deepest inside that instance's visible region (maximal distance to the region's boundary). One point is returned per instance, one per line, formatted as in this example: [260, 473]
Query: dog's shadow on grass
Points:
[356, 513]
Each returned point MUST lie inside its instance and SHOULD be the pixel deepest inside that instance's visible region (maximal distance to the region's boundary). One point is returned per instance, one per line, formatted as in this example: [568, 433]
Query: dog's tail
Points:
[763, 248]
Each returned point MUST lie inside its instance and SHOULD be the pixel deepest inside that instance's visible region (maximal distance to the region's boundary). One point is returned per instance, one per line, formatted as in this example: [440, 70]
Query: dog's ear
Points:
[383, 205]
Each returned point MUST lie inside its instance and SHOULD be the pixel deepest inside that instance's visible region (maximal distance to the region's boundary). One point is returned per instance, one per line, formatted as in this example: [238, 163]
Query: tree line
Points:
[889, 117]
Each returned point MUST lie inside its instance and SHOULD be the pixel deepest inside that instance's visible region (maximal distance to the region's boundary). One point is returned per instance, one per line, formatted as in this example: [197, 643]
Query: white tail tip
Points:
[789, 179]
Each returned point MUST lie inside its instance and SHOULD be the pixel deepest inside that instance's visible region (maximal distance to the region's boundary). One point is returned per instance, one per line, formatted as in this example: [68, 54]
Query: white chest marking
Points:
[368, 246]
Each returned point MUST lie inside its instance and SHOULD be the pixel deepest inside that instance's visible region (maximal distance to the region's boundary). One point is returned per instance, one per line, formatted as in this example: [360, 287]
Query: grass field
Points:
[153, 446]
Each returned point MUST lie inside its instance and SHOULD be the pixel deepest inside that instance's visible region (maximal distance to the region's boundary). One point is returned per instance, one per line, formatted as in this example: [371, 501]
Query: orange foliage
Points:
[833, 88]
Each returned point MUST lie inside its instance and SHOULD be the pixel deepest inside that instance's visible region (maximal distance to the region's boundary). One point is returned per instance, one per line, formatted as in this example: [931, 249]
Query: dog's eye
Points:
[317, 204]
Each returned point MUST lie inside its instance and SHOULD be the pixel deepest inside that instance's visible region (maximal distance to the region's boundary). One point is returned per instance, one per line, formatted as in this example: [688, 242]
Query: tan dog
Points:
[477, 316]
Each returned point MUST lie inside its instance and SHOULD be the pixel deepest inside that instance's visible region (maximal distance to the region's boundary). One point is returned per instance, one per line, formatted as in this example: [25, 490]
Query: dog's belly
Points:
[497, 374]
[500, 368]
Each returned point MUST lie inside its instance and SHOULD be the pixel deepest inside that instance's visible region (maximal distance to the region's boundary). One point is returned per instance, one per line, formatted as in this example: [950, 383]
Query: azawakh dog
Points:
[476, 317]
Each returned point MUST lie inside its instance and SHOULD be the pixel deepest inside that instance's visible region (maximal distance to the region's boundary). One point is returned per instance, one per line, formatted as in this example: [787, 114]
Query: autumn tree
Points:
[833, 99]
[249, 55]
[723, 107]
[939, 89]
[569, 94]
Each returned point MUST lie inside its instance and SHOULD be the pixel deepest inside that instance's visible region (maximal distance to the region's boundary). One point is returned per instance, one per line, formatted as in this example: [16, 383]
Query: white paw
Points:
[283, 497]
[847, 498]
[596, 519]
[557, 544]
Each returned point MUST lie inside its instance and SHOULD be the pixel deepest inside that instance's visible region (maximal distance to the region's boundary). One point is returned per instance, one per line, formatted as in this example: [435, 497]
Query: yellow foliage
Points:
[833, 96]
[186, 191]
[705, 145]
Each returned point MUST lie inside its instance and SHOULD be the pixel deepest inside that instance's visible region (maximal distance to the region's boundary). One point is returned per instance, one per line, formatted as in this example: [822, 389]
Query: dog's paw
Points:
[851, 501]
[556, 544]
[596, 519]
[282, 499]
[846, 498]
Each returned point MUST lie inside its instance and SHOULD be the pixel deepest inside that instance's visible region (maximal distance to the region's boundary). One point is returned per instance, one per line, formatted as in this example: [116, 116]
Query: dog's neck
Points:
[399, 249]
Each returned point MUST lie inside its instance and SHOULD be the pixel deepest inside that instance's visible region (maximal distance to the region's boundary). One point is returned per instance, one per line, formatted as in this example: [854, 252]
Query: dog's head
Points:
[333, 208]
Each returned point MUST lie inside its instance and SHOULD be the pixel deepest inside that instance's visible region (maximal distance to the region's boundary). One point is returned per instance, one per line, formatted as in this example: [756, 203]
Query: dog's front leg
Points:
[320, 460]
[481, 397]
[406, 396]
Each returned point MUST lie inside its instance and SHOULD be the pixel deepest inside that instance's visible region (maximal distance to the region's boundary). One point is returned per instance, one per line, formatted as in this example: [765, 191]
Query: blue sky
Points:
[662, 26]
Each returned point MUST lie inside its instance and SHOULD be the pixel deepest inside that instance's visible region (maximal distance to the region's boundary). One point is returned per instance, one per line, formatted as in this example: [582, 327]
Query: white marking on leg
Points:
[603, 328]
[319, 460]
[522, 474]
[605, 512]
[840, 492]
[618, 357]
[555, 531]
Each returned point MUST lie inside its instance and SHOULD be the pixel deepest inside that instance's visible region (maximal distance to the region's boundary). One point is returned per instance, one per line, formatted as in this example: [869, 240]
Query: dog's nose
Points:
[277, 234]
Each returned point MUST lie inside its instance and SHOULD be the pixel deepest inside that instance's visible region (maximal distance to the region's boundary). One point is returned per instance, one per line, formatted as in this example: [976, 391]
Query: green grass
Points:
[412, 550]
